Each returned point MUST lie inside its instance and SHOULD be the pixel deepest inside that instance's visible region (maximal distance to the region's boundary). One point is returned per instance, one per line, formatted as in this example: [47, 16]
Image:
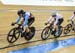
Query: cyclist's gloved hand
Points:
[13, 24]
[46, 23]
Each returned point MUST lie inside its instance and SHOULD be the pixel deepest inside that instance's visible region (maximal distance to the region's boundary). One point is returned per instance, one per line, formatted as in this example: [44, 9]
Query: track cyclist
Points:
[25, 18]
[56, 19]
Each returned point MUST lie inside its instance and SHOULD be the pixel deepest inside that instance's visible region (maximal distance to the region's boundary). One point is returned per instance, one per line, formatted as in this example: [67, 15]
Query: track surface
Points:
[6, 18]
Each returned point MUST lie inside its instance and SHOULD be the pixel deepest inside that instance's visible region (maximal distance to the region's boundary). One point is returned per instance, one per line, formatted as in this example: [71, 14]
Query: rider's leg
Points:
[26, 28]
[60, 21]
[51, 22]
[55, 25]
[30, 22]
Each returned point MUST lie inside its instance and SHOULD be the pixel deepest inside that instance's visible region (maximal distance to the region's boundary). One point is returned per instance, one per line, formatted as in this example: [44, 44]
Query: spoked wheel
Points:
[58, 32]
[13, 35]
[45, 33]
[30, 35]
[67, 29]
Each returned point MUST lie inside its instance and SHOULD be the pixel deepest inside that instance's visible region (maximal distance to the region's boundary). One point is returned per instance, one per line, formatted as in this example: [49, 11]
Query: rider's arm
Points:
[71, 17]
[18, 19]
[49, 19]
[26, 20]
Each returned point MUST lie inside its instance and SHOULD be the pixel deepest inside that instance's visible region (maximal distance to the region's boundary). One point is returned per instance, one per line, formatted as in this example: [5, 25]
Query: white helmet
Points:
[53, 13]
[73, 12]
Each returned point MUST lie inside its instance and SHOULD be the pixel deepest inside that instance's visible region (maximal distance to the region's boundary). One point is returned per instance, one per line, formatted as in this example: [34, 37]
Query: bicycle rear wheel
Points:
[13, 35]
[28, 36]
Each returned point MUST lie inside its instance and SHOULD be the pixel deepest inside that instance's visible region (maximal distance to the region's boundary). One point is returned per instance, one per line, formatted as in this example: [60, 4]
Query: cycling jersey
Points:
[57, 18]
[26, 17]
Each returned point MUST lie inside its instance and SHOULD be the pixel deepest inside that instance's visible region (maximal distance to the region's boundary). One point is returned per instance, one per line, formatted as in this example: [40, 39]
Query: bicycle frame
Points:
[72, 23]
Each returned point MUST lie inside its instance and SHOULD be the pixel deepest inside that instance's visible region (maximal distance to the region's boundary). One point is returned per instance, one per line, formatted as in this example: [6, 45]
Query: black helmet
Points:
[20, 12]
[74, 12]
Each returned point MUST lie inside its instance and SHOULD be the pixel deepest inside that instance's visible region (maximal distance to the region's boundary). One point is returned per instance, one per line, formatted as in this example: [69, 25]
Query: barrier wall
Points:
[40, 2]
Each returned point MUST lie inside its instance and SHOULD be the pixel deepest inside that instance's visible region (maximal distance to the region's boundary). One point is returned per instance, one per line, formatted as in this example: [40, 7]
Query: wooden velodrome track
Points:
[7, 17]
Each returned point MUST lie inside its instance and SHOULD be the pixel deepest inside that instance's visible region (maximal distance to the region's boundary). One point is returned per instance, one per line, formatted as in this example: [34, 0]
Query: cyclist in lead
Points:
[26, 20]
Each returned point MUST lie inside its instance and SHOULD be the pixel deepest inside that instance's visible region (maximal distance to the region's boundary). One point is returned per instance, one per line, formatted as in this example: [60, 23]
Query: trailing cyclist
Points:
[56, 19]
[72, 18]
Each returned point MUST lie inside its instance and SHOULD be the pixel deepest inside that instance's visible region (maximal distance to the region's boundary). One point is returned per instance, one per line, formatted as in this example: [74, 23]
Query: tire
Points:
[11, 38]
[58, 32]
[67, 29]
[29, 36]
[73, 28]
[45, 35]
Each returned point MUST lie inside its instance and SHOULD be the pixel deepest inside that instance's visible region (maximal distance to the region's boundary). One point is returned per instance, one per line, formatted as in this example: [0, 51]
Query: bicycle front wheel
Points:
[67, 29]
[13, 35]
[45, 33]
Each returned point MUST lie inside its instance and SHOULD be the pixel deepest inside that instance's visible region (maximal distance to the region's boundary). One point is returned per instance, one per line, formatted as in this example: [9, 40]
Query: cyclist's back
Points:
[58, 16]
